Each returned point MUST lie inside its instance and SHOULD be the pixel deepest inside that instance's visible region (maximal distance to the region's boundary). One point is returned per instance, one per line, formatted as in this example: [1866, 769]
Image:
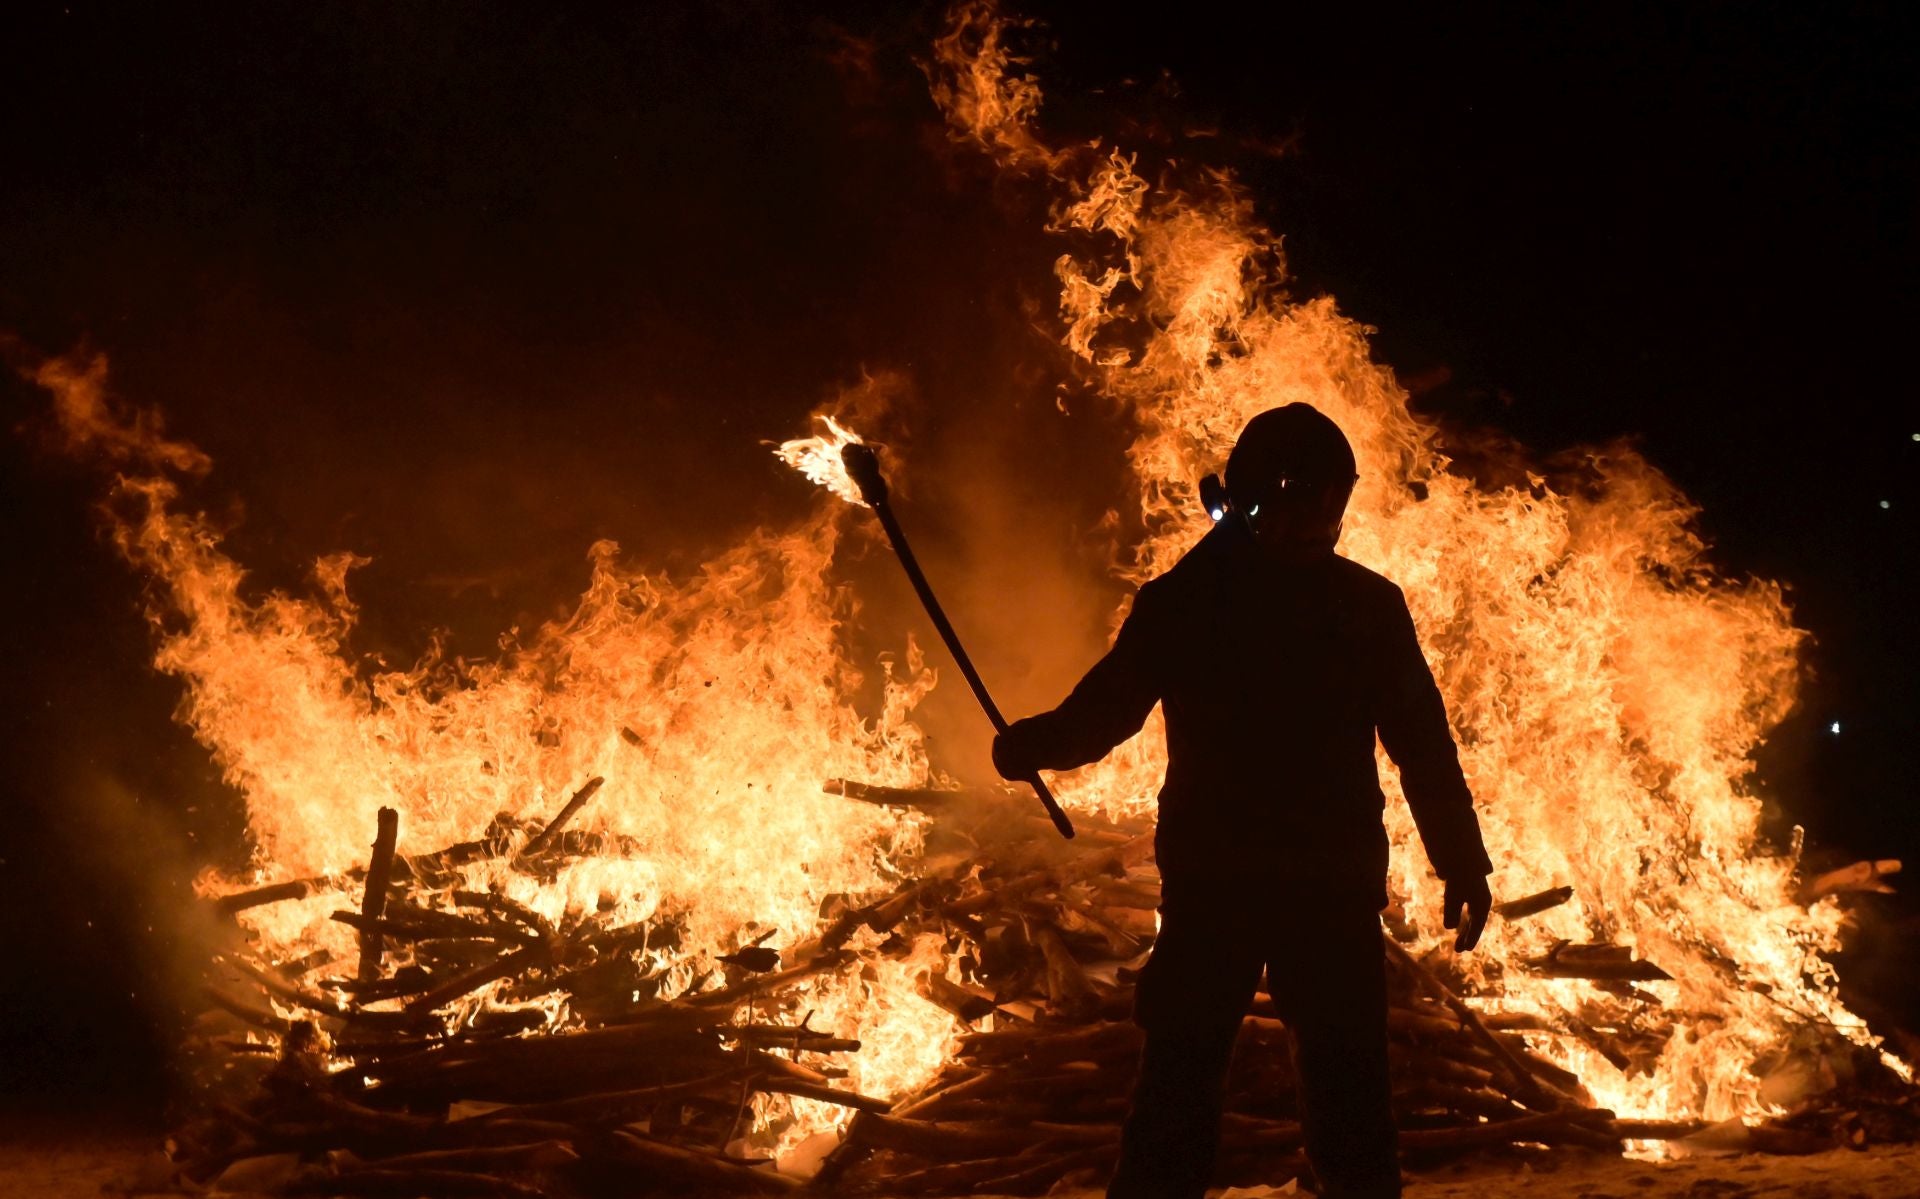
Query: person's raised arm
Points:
[1413, 728]
[1107, 706]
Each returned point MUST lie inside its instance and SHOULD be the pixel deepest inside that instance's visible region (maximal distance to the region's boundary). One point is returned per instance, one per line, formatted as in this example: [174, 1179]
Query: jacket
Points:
[1275, 679]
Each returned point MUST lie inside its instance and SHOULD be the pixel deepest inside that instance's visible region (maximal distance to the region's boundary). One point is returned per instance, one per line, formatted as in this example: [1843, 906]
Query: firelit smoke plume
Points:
[1607, 687]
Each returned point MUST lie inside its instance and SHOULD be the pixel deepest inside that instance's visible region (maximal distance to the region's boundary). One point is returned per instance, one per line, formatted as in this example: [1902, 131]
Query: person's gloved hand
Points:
[1014, 754]
[1473, 894]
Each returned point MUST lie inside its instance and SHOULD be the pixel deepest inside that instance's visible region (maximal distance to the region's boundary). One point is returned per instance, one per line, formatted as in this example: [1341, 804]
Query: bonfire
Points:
[653, 901]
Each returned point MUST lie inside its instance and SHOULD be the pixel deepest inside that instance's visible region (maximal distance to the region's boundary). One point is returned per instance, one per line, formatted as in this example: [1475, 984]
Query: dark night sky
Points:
[440, 284]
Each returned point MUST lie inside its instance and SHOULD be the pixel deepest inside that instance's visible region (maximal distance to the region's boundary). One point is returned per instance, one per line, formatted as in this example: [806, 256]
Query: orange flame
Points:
[1606, 686]
[818, 458]
[714, 707]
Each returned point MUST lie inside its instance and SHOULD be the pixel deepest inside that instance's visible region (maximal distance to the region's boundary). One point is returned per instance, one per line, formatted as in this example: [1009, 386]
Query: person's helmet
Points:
[1289, 477]
[1296, 442]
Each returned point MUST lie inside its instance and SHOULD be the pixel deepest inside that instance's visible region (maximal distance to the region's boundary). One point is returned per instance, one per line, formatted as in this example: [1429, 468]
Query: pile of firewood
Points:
[389, 1078]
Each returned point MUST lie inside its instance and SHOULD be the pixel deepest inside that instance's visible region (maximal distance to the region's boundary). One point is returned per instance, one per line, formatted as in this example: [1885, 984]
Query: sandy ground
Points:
[81, 1164]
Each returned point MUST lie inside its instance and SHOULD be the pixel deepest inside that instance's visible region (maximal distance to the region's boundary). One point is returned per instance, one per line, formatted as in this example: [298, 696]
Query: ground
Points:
[68, 1163]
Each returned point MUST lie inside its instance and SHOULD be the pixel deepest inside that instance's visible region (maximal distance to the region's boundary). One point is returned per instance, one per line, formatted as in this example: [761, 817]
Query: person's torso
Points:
[1270, 678]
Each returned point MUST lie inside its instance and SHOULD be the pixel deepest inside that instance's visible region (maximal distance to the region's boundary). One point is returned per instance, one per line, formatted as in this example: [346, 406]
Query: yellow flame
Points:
[818, 458]
[1605, 685]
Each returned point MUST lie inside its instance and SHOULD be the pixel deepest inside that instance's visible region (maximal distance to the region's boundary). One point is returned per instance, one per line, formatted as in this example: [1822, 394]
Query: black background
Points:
[464, 289]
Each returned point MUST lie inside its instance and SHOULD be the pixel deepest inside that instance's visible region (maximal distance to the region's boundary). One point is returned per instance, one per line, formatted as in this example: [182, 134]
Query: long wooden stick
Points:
[864, 466]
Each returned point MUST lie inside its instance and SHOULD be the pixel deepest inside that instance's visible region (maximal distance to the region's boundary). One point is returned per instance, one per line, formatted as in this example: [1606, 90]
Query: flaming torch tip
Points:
[824, 460]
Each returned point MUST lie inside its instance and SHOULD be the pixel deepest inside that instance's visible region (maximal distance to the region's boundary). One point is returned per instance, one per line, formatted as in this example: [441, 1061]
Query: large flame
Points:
[714, 707]
[1606, 686]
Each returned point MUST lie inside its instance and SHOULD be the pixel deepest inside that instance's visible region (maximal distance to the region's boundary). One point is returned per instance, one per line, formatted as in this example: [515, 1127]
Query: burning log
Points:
[674, 1163]
[240, 901]
[645, 1087]
[929, 798]
[251, 1013]
[373, 900]
[616, 1107]
[546, 837]
[1533, 905]
[1522, 1077]
[281, 989]
[404, 1184]
[1604, 963]
[1861, 876]
[486, 1159]
[506, 967]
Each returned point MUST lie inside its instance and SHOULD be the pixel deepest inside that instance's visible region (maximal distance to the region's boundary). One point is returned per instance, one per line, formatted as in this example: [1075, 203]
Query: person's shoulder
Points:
[1367, 585]
[1201, 564]
[1197, 570]
[1363, 578]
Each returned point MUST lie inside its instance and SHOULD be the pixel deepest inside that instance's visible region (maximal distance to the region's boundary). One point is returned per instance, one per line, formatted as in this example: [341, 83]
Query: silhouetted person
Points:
[1276, 661]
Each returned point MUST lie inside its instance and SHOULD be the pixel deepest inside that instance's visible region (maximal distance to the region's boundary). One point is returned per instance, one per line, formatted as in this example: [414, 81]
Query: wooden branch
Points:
[498, 904]
[547, 834]
[614, 1107]
[899, 797]
[964, 1005]
[1522, 1077]
[240, 901]
[405, 1184]
[251, 1013]
[280, 989]
[824, 1093]
[463, 984]
[1533, 905]
[373, 899]
[1657, 1130]
[789, 1036]
[493, 841]
[1601, 963]
[1861, 876]
[729, 995]
[1545, 1127]
[1030, 1179]
[706, 1170]
[489, 1159]
[405, 923]
[964, 1140]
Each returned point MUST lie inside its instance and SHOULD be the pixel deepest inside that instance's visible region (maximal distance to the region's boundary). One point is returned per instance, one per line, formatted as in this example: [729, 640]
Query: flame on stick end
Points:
[821, 459]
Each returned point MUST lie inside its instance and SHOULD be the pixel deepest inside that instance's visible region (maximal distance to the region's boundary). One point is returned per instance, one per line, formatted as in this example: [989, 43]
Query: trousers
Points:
[1327, 976]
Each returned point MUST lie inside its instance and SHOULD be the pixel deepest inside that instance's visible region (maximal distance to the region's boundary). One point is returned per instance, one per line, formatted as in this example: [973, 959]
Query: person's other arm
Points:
[1413, 728]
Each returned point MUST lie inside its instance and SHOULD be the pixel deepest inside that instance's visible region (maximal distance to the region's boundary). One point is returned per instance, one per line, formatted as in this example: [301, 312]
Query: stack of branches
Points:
[389, 1079]
[435, 1064]
[1037, 1095]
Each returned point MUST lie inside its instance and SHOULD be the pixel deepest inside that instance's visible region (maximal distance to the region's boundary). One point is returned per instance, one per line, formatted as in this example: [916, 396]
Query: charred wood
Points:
[546, 836]
[373, 899]
[1533, 905]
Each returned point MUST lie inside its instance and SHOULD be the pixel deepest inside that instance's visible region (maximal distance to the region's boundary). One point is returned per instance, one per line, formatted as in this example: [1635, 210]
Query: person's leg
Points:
[1328, 979]
[1190, 1001]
